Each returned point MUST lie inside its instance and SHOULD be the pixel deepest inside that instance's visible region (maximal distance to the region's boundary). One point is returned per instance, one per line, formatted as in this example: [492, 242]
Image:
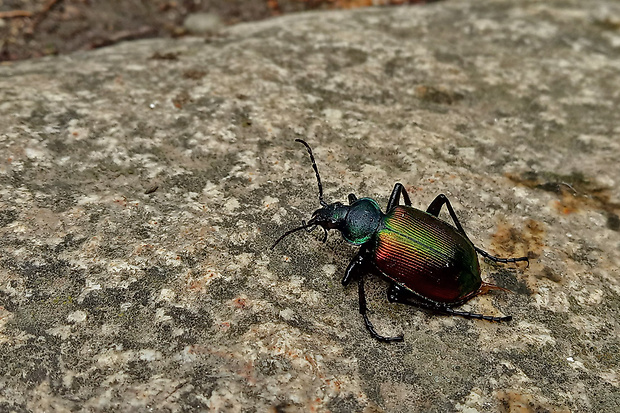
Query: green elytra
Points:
[428, 262]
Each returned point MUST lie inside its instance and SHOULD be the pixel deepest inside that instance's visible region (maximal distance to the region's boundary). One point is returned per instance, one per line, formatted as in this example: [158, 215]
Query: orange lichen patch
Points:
[564, 209]
[144, 249]
[274, 6]
[528, 241]
[513, 242]
[181, 99]
[575, 192]
[438, 95]
[122, 201]
[240, 302]
[513, 401]
[199, 284]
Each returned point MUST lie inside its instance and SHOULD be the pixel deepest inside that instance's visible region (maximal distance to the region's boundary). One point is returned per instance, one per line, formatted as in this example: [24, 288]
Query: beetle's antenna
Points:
[316, 171]
[289, 232]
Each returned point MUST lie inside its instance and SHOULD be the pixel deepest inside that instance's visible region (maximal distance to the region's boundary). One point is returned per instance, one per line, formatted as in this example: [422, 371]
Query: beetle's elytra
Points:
[428, 262]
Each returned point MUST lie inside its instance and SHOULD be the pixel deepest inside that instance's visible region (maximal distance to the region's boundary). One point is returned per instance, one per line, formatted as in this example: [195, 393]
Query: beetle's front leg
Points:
[352, 199]
[356, 267]
[363, 311]
[395, 197]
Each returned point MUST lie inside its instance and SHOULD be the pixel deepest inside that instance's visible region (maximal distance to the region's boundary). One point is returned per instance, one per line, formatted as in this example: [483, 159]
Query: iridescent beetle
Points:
[428, 262]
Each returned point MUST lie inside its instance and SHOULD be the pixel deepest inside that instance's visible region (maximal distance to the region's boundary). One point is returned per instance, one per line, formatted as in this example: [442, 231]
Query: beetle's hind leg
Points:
[502, 260]
[397, 294]
[476, 316]
[435, 207]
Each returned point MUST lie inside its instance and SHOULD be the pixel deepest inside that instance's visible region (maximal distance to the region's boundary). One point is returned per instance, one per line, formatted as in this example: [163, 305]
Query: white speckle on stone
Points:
[33, 153]
[63, 331]
[468, 153]
[77, 317]
[605, 180]
[333, 115]
[269, 202]
[160, 315]
[67, 379]
[210, 191]
[614, 40]
[520, 193]
[570, 359]
[166, 294]
[148, 354]
[89, 199]
[231, 205]
[329, 269]
[287, 314]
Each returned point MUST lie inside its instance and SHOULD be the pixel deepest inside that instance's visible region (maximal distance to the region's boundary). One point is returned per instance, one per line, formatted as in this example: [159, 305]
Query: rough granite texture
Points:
[142, 185]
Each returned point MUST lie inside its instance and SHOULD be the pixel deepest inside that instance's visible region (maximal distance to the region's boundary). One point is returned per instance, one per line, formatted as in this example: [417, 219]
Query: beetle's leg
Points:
[435, 207]
[356, 267]
[363, 310]
[467, 314]
[303, 224]
[353, 270]
[352, 198]
[397, 294]
[395, 197]
[498, 259]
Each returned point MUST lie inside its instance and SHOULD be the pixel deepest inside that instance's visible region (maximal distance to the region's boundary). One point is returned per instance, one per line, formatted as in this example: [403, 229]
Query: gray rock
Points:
[142, 185]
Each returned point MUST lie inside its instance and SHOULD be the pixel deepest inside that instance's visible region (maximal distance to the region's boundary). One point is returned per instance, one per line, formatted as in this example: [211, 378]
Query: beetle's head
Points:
[329, 216]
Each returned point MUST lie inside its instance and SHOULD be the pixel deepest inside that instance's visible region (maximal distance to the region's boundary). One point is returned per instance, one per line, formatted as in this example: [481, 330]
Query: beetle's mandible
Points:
[428, 262]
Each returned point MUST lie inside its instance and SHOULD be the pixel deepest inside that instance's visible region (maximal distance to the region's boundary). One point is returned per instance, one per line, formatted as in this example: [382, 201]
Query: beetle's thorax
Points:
[357, 222]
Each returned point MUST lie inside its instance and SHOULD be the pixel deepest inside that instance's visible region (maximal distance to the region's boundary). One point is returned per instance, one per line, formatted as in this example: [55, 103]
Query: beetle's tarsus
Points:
[476, 316]
[502, 260]
[374, 334]
[397, 294]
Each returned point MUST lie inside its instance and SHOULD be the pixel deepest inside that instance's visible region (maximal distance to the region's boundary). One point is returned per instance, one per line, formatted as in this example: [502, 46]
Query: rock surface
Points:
[142, 185]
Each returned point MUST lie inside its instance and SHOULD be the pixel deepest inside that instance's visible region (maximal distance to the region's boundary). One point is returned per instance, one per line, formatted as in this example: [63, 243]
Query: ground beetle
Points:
[428, 262]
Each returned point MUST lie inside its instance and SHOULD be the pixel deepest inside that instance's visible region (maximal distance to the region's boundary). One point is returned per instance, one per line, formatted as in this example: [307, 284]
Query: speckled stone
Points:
[142, 185]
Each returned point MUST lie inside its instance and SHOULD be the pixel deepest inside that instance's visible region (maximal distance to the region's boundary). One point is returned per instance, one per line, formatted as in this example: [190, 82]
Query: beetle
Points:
[428, 262]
